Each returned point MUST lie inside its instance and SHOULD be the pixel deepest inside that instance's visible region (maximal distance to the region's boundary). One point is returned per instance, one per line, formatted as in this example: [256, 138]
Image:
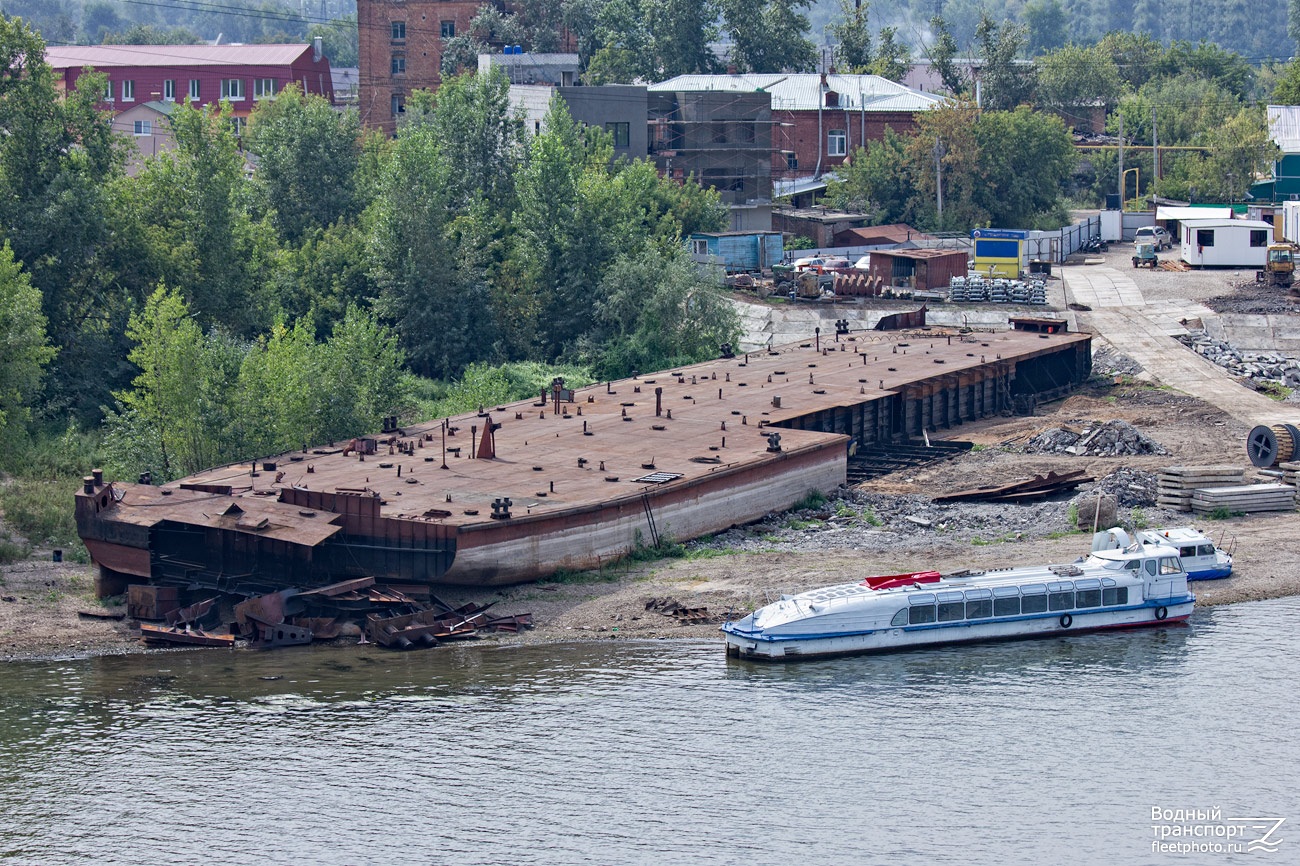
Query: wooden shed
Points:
[918, 270]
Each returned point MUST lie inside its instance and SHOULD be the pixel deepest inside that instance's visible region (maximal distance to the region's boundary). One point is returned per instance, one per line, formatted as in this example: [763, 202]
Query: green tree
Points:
[190, 205]
[1026, 157]
[481, 136]
[1138, 57]
[1227, 69]
[178, 399]
[769, 35]
[1006, 82]
[338, 39]
[430, 287]
[1287, 90]
[58, 158]
[1046, 24]
[876, 179]
[1239, 150]
[893, 58]
[26, 352]
[1073, 80]
[942, 54]
[307, 158]
[656, 312]
[680, 32]
[852, 35]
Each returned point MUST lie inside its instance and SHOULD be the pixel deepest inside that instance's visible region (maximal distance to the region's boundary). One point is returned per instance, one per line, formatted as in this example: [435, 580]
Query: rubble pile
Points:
[1106, 439]
[1132, 488]
[1108, 362]
[1259, 368]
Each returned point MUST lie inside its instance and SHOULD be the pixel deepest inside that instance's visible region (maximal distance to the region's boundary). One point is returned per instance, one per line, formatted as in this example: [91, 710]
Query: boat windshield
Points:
[1108, 564]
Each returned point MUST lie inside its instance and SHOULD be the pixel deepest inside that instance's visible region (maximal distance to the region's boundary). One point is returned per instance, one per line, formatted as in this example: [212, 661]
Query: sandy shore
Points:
[40, 600]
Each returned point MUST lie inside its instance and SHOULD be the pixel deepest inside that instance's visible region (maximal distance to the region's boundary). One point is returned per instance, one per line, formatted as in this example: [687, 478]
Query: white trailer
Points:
[1225, 243]
[1291, 221]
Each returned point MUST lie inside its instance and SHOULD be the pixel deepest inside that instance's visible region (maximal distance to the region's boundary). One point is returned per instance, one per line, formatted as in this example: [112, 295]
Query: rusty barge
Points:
[572, 478]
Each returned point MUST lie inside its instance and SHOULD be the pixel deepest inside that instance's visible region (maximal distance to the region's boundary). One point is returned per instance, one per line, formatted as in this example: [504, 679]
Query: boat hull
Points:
[754, 645]
[1210, 574]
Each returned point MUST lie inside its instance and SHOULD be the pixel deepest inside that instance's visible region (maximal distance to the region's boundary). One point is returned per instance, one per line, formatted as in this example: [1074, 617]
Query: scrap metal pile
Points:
[395, 617]
[976, 289]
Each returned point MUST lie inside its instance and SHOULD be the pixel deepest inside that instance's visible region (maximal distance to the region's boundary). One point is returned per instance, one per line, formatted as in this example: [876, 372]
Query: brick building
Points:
[817, 120]
[207, 74]
[400, 46]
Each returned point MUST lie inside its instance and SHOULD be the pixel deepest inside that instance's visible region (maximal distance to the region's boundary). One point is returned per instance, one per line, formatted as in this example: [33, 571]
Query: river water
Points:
[1043, 751]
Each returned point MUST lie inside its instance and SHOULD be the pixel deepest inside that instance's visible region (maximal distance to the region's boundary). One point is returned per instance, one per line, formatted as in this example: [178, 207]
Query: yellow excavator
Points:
[1279, 267]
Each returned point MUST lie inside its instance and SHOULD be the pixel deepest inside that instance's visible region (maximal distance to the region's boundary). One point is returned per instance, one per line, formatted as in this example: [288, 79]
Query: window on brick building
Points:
[791, 160]
[837, 143]
[143, 127]
[128, 91]
[398, 104]
[232, 89]
[194, 89]
[169, 90]
[399, 31]
[108, 91]
[448, 29]
[398, 66]
[263, 88]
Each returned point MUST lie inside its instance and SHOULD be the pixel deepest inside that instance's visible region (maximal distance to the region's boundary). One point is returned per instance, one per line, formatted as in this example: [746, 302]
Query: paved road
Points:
[1145, 332]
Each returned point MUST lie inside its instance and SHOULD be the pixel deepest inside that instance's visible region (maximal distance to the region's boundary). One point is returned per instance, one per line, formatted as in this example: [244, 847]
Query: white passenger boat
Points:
[1202, 558]
[1143, 584]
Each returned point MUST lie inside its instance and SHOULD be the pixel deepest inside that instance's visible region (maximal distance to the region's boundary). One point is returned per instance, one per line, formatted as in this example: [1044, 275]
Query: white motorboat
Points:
[1202, 558]
[1140, 585]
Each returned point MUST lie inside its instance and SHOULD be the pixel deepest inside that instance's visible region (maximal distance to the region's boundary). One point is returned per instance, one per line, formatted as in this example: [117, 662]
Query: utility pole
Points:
[939, 152]
[1155, 148]
[1121, 160]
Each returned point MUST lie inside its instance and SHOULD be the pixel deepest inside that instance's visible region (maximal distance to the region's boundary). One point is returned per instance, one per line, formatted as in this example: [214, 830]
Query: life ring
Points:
[1162, 612]
[1066, 620]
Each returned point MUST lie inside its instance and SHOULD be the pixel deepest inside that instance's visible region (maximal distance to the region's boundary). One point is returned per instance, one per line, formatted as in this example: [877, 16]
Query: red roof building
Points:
[207, 74]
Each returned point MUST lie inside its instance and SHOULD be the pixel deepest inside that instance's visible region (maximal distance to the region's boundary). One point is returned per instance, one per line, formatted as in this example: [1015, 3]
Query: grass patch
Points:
[12, 551]
[770, 538]
[1139, 519]
[811, 501]
[1274, 390]
[979, 542]
[41, 510]
[976, 448]
[844, 510]
[800, 525]
[1072, 515]
[1222, 513]
[710, 553]
[1065, 533]
[870, 517]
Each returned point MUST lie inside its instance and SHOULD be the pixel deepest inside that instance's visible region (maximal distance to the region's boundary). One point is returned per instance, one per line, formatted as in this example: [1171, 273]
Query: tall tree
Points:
[893, 58]
[852, 35]
[1005, 81]
[769, 35]
[1046, 25]
[26, 352]
[1074, 80]
[307, 161]
[942, 54]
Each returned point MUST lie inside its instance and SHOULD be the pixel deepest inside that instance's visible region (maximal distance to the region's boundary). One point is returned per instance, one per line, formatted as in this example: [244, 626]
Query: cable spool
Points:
[1270, 445]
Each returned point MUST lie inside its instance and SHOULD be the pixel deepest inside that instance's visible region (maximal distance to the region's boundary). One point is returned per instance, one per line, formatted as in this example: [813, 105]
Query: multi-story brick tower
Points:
[400, 50]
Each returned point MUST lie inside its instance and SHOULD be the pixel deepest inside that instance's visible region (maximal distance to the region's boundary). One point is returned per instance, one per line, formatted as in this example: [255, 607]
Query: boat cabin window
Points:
[1035, 598]
[1205, 550]
[1006, 606]
[979, 609]
[951, 611]
[900, 618]
[1087, 598]
[1063, 600]
[1116, 595]
[919, 614]
[1187, 551]
[1133, 564]
[1151, 567]
[1170, 565]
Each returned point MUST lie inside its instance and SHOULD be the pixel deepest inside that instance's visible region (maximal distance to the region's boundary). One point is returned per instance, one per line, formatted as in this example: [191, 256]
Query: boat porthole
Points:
[1066, 620]
[1162, 612]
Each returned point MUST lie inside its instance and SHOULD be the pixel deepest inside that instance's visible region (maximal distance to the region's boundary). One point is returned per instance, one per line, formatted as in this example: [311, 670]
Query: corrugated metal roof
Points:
[1284, 127]
[1166, 212]
[105, 56]
[803, 92]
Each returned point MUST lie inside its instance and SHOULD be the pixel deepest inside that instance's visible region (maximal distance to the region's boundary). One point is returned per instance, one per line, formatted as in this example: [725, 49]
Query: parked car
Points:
[863, 263]
[836, 263]
[808, 263]
[1156, 236]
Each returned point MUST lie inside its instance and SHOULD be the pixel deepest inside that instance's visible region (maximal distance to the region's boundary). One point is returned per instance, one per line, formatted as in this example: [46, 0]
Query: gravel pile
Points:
[1108, 362]
[1108, 439]
[1133, 488]
[1259, 368]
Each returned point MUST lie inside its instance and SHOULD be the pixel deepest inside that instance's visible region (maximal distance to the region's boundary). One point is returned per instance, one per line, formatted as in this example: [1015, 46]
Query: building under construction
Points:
[573, 477]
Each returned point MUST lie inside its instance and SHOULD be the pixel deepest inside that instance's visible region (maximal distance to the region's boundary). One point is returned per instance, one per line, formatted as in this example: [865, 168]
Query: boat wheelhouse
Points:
[1202, 558]
[1143, 584]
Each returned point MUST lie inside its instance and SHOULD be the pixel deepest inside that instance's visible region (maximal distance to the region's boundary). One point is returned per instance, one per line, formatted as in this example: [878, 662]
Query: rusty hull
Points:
[575, 481]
